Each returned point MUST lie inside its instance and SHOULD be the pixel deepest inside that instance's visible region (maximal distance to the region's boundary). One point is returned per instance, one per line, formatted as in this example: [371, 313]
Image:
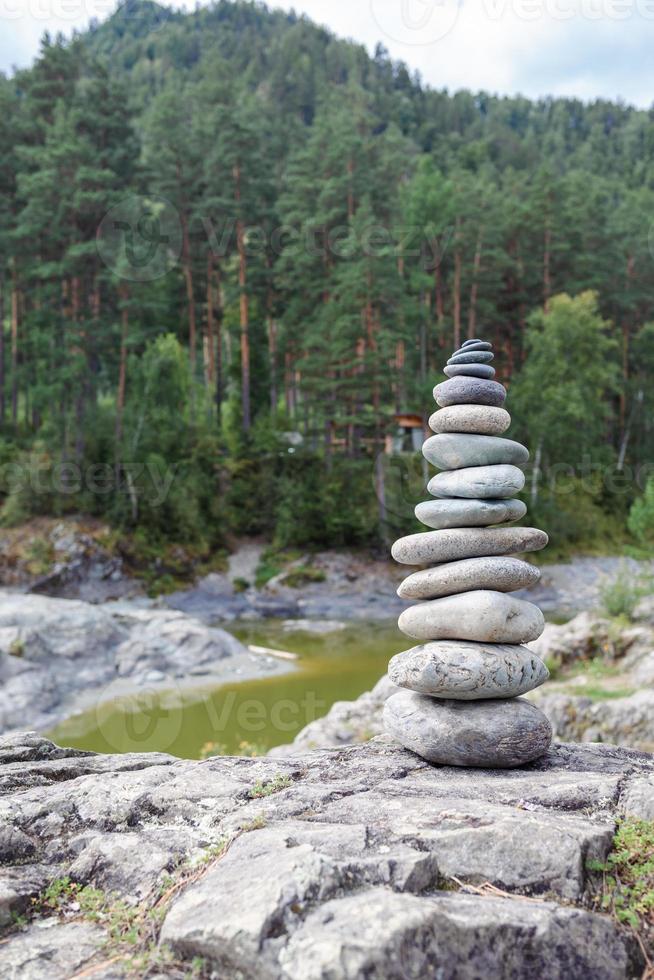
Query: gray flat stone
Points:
[493, 734]
[497, 573]
[473, 345]
[468, 671]
[482, 616]
[500, 480]
[472, 357]
[463, 512]
[469, 370]
[452, 544]
[467, 391]
[457, 450]
[480, 419]
[473, 340]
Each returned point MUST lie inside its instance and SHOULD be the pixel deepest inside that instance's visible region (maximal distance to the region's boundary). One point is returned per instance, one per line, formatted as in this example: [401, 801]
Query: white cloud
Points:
[585, 48]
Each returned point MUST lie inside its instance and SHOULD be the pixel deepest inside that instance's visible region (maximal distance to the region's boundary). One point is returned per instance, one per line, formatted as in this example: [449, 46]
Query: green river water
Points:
[249, 717]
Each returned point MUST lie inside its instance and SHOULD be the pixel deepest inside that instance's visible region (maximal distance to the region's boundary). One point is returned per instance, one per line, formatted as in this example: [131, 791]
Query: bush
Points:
[641, 516]
[621, 595]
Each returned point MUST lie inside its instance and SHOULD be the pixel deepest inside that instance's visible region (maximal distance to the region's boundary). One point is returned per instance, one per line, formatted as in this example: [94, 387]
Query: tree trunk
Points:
[631, 265]
[474, 289]
[243, 305]
[456, 289]
[535, 475]
[14, 344]
[547, 257]
[210, 349]
[122, 364]
[190, 292]
[2, 350]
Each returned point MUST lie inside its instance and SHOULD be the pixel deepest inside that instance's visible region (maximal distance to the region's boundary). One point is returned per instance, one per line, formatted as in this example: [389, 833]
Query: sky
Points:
[585, 48]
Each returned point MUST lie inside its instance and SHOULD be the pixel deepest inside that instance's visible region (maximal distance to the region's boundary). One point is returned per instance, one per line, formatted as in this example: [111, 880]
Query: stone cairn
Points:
[461, 705]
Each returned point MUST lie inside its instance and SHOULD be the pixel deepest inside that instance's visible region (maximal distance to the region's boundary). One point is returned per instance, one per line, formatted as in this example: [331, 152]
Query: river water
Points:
[248, 717]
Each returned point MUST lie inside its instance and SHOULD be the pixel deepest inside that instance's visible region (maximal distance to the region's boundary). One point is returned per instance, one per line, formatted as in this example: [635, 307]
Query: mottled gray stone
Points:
[472, 357]
[481, 419]
[483, 616]
[463, 512]
[473, 345]
[468, 671]
[499, 574]
[451, 544]
[470, 371]
[498, 734]
[344, 877]
[457, 450]
[467, 391]
[501, 480]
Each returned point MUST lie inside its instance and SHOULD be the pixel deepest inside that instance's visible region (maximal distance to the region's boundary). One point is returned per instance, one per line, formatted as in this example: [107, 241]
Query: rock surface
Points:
[466, 390]
[469, 513]
[367, 861]
[482, 615]
[489, 734]
[484, 482]
[452, 544]
[468, 671]
[453, 450]
[499, 574]
[470, 370]
[471, 418]
[58, 656]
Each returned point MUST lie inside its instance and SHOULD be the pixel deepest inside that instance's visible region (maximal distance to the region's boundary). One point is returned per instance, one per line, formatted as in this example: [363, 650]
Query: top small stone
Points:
[473, 345]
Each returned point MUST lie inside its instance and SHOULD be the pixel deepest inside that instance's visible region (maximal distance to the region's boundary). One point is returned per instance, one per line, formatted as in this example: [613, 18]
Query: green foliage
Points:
[621, 595]
[330, 227]
[628, 877]
[303, 575]
[262, 789]
[641, 516]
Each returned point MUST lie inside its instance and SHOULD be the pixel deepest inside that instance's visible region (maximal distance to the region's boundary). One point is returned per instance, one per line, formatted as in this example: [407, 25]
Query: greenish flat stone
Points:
[470, 371]
[472, 357]
[469, 391]
[483, 615]
[501, 574]
[456, 450]
[500, 480]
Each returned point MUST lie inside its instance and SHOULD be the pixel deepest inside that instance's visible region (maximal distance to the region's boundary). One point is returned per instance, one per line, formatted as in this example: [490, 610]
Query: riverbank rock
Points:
[58, 656]
[499, 734]
[356, 862]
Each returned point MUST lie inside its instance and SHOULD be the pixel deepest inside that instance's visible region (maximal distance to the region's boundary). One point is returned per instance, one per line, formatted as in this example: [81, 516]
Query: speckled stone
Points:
[469, 345]
[470, 371]
[484, 482]
[493, 572]
[457, 450]
[469, 391]
[472, 357]
[483, 616]
[432, 547]
[468, 671]
[461, 512]
[492, 734]
[480, 419]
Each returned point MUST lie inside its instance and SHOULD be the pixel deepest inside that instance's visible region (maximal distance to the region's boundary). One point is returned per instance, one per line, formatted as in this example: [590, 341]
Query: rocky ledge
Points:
[59, 656]
[364, 861]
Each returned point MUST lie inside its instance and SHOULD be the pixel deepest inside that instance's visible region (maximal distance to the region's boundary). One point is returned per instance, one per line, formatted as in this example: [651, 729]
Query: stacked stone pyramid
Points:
[462, 703]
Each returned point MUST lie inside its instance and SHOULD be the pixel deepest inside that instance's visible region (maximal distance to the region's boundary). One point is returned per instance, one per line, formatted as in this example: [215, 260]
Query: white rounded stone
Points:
[480, 419]
[456, 450]
[491, 734]
[468, 671]
[483, 616]
[464, 512]
[501, 481]
[452, 544]
[499, 574]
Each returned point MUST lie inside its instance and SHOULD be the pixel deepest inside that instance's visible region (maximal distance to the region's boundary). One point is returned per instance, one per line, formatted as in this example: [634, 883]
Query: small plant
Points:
[262, 789]
[621, 595]
[627, 890]
[303, 575]
[240, 585]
